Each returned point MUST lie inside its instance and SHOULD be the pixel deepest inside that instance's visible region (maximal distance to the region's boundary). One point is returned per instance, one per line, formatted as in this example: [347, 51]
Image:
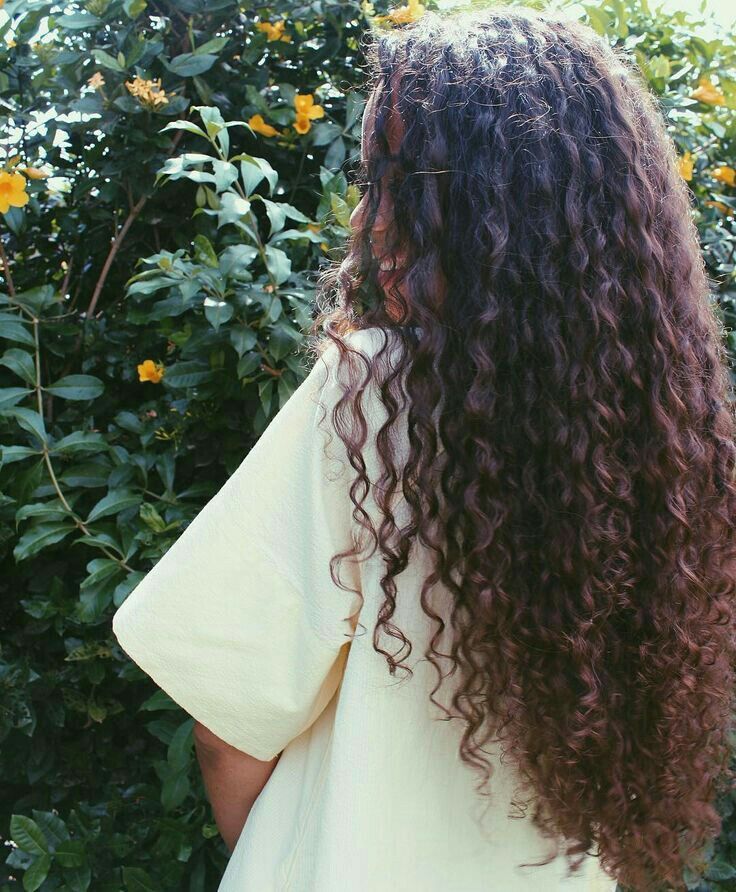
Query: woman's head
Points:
[571, 434]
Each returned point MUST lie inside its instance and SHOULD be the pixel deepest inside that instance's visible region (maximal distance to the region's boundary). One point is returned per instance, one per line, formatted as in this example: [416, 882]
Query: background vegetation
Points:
[172, 175]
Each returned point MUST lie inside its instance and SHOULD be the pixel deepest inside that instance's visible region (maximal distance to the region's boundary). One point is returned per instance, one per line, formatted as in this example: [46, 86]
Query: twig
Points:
[6, 270]
[120, 237]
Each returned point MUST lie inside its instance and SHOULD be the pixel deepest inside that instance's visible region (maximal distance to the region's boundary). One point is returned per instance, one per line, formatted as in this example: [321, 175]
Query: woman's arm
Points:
[232, 779]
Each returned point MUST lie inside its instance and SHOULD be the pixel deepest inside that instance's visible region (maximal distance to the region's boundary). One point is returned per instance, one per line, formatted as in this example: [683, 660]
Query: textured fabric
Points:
[241, 624]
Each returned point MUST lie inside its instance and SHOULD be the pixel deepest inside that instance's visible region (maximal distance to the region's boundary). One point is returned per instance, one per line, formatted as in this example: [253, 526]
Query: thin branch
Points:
[6, 270]
[120, 237]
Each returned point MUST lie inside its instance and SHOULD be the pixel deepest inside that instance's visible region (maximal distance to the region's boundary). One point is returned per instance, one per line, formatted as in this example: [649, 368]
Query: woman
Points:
[510, 474]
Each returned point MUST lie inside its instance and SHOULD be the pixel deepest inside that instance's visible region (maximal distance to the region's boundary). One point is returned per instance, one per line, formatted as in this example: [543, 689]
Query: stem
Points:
[120, 237]
[298, 175]
[111, 254]
[47, 456]
[6, 270]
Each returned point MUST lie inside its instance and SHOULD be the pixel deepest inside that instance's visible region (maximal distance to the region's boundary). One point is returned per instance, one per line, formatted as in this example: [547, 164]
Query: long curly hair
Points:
[571, 431]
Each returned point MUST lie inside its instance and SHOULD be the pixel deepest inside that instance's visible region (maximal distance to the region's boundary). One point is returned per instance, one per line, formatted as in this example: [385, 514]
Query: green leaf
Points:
[41, 536]
[27, 835]
[335, 154]
[137, 880]
[12, 454]
[187, 374]
[107, 61]
[16, 331]
[78, 21]
[77, 387]
[189, 64]
[265, 394]
[158, 701]
[232, 208]
[278, 263]
[53, 828]
[86, 474]
[114, 502]
[29, 420]
[36, 299]
[235, 260]
[175, 790]
[133, 8]
[189, 126]
[80, 442]
[276, 215]
[217, 312]
[36, 874]
[20, 362]
[243, 339]
[289, 234]
[341, 210]
[71, 853]
[212, 46]
[48, 510]
[124, 588]
[179, 754]
[9, 396]
[204, 251]
[211, 118]
[78, 879]
[225, 173]
[253, 170]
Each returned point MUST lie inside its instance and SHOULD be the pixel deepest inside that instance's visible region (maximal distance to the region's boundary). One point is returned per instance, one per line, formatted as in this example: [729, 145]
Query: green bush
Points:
[157, 285]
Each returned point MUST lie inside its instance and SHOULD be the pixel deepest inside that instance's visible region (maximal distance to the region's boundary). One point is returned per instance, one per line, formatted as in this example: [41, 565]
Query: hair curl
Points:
[572, 437]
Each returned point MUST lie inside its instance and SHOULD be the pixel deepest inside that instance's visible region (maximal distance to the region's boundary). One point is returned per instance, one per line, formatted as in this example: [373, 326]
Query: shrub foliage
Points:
[172, 175]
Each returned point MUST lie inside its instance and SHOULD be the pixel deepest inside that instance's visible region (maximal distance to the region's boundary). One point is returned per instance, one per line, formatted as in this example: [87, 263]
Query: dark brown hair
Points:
[578, 492]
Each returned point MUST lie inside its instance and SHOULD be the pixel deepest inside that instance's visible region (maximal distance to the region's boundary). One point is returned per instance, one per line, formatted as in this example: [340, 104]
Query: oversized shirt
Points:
[242, 624]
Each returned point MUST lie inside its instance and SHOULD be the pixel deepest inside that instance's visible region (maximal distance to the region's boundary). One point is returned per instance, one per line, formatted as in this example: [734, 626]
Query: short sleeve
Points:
[240, 622]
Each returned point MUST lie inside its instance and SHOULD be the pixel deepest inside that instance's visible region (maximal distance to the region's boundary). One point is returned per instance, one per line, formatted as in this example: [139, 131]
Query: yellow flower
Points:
[304, 105]
[260, 126]
[10, 42]
[151, 371]
[707, 92]
[34, 173]
[720, 205]
[12, 191]
[410, 12]
[302, 125]
[306, 111]
[147, 92]
[726, 175]
[96, 81]
[324, 246]
[685, 166]
[274, 31]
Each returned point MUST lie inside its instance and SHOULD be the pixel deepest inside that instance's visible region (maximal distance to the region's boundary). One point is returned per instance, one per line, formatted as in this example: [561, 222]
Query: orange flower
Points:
[306, 111]
[148, 92]
[34, 173]
[726, 175]
[685, 166]
[719, 205]
[12, 191]
[274, 31]
[151, 371]
[96, 81]
[707, 92]
[404, 14]
[260, 126]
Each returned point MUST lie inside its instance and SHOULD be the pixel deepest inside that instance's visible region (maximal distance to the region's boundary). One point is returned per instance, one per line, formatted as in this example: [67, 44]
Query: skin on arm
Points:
[233, 780]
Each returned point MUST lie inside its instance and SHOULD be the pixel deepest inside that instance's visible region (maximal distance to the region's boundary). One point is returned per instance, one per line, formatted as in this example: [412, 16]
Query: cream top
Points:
[242, 625]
